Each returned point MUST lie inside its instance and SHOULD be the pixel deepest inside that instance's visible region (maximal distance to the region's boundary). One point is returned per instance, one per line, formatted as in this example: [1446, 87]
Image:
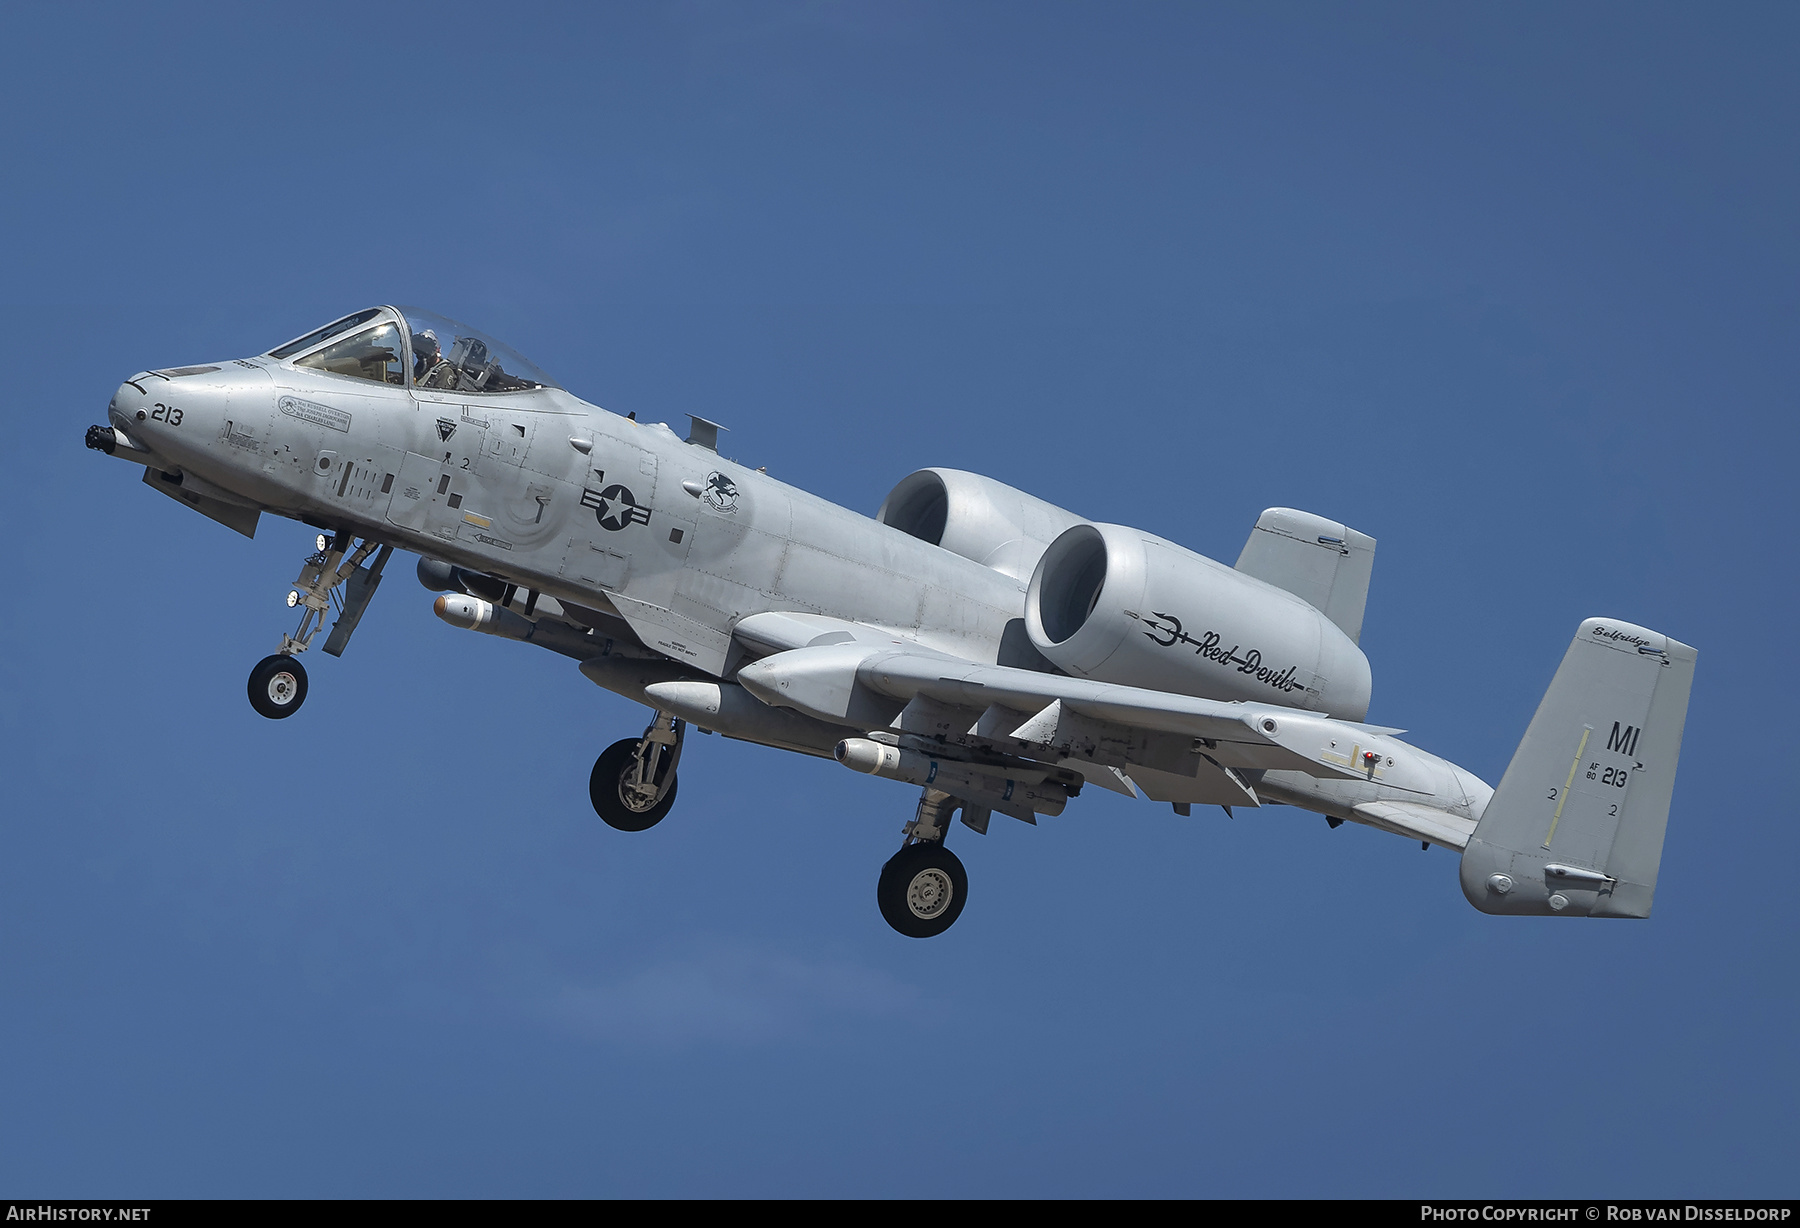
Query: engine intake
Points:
[976, 517]
[1115, 604]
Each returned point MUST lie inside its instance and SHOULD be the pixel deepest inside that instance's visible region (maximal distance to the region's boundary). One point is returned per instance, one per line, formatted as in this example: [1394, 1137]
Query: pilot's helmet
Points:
[425, 344]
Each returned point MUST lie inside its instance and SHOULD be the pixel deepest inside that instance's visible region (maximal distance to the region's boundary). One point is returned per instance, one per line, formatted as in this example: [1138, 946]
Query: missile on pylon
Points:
[1008, 789]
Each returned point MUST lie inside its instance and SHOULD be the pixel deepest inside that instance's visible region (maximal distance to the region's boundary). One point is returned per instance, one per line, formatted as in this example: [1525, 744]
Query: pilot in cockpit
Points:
[451, 357]
[426, 354]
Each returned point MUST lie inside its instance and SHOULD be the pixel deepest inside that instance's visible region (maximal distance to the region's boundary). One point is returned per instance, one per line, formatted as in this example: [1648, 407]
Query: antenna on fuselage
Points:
[703, 433]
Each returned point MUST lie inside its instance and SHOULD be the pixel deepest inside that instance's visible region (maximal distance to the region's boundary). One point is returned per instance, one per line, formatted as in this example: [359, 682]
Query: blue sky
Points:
[1511, 288]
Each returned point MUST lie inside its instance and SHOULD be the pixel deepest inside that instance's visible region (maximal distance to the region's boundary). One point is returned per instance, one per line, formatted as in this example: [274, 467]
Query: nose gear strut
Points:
[278, 683]
[315, 589]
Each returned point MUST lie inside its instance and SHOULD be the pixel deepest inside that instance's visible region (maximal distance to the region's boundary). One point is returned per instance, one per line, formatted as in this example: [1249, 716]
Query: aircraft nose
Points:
[128, 405]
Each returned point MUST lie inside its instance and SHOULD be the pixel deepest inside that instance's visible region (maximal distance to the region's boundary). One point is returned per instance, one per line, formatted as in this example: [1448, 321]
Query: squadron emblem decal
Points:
[310, 411]
[446, 428]
[1207, 646]
[615, 507]
[720, 494]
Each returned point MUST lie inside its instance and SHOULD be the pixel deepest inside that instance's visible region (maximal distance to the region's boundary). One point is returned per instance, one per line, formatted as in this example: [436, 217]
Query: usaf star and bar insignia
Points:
[615, 507]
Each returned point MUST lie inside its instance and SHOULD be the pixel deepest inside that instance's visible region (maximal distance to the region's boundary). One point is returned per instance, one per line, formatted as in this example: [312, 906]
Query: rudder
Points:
[1576, 827]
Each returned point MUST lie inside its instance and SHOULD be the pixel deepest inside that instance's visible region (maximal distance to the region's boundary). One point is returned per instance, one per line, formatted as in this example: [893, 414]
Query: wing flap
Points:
[1099, 774]
[1212, 785]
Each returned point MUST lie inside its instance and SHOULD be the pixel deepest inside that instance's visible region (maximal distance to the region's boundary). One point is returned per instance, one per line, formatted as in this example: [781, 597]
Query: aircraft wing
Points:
[1194, 747]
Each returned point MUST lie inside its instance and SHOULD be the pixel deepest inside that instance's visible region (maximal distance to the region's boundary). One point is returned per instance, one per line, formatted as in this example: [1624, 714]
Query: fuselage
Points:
[522, 481]
[552, 493]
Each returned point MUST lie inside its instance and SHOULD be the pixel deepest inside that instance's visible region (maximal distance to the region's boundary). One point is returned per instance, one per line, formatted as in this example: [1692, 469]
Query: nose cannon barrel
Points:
[114, 442]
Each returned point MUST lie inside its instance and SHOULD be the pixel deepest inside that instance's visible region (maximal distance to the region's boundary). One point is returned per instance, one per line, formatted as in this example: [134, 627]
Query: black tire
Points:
[606, 790]
[922, 890]
[277, 686]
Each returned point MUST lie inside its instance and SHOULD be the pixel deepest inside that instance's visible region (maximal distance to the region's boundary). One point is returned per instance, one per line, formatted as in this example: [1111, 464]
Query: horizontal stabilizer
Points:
[1324, 563]
[1576, 826]
[1417, 822]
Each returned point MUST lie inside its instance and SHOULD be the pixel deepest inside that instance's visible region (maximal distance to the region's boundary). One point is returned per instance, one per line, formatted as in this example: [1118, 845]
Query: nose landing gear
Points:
[632, 785]
[278, 683]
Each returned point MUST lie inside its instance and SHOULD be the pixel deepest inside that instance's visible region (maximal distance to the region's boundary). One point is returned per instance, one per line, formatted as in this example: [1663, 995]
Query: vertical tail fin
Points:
[1576, 826]
[1320, 561]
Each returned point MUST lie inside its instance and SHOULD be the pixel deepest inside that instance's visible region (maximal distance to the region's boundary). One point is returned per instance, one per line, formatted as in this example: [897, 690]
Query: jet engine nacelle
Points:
[1118, 605]
[976, 517]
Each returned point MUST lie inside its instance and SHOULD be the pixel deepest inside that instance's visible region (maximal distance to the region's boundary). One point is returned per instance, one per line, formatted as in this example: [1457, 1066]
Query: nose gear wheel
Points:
[277, 686]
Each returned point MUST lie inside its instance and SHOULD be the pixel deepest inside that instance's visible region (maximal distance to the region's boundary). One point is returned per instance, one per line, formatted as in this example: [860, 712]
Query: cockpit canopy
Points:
[405, 346]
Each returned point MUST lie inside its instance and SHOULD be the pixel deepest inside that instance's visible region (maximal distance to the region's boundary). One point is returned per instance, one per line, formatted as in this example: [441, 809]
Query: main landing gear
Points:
[633, 782]
[278, 683]
[923, 887]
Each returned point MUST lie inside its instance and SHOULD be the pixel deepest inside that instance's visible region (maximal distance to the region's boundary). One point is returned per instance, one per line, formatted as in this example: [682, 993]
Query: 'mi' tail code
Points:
[1576, 826]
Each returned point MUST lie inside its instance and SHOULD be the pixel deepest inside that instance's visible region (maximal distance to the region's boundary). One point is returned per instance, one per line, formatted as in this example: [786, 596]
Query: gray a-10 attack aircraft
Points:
[986, 646]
